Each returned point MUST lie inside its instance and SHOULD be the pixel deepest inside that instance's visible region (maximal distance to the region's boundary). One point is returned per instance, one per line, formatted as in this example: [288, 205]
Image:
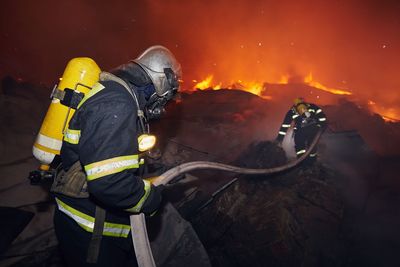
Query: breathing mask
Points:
[155, 106]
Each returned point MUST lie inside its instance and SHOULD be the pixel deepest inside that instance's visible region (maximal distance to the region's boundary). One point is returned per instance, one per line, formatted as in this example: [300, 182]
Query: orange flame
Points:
[389, 115]
[251, 87]
[258, 88]
[309, 80]
[284, 79]
[206, 84]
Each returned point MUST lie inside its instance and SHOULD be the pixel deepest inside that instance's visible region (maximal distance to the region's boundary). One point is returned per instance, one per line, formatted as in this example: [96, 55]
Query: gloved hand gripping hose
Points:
[141, 242]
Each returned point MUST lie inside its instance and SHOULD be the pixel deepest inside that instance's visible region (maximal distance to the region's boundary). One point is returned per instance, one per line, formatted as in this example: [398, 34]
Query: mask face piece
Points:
[155, 107]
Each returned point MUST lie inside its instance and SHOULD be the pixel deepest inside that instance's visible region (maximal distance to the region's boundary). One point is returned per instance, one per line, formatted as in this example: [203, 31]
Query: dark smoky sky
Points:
[348, 44]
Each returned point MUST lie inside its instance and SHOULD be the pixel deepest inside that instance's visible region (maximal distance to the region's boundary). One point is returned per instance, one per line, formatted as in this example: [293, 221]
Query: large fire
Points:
[258, 88]
[251, 87]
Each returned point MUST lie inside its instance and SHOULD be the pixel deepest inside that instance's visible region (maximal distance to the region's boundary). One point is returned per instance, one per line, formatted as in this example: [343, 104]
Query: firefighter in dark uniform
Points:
[100, 185]
[308, 120]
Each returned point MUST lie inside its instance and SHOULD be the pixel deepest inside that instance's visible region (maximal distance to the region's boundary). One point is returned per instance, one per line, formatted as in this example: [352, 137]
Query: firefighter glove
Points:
[152, 203]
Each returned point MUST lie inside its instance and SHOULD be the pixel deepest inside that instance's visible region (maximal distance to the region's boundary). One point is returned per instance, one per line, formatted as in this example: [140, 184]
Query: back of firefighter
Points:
[307, 120]
[101, 145]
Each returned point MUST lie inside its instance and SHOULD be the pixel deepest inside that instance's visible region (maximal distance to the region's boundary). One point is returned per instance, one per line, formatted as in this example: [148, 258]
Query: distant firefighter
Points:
[308, 120]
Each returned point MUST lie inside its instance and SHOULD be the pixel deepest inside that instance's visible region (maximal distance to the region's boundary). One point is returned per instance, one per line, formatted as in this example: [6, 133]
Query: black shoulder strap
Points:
[106, 76]
[68, 97]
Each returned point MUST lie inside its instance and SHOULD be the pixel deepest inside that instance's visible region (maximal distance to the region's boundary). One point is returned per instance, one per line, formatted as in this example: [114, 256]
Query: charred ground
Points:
[341, 211]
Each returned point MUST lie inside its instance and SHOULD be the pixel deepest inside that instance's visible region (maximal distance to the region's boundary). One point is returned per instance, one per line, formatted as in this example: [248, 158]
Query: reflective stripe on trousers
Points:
[87, 222]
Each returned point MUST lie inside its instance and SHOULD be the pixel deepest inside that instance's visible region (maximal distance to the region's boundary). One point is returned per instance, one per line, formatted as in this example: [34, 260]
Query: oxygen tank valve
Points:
[38, 177]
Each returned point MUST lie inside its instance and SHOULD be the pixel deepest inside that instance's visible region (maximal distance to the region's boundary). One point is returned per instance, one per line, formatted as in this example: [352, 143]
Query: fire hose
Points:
[141, 242]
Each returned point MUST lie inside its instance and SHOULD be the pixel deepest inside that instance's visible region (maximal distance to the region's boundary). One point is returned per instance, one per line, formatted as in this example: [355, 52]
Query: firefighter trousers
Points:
[303, 139]
[74, 242]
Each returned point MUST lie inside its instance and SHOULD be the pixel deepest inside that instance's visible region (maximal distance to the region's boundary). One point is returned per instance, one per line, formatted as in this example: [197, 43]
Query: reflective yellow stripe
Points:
[318, 111]
[95, 89]
[282, 133]
[301, 152]
[313, 155]
[285, 125]
[322, 119]
[110, 166]
[138, 206]
[72, 136]
[87, 222]
[295, 116]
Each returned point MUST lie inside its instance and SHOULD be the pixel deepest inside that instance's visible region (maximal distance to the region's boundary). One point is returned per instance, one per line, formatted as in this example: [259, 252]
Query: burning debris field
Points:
[246, 85]
[338, 211]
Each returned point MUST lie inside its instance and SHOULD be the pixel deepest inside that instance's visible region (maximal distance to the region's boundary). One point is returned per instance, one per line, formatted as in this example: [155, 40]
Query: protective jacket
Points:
[313, 116]
[102, 135]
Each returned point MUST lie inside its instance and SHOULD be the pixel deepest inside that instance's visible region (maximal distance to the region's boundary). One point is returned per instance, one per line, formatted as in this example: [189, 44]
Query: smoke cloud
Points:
[352, 45]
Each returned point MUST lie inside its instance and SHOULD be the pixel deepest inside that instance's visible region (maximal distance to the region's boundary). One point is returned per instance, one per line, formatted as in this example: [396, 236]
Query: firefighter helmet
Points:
[300, 105]
[298, 100]
[163, 69]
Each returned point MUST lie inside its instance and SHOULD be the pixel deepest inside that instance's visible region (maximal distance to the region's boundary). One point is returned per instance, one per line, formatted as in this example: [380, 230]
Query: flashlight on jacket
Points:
[146, 142]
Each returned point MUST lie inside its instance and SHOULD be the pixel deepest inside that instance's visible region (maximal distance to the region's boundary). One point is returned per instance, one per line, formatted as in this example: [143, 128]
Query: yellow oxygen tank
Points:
[79, 75]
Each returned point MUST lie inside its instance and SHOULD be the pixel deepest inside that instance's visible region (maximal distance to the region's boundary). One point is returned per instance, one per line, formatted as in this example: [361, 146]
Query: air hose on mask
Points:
[141, 242]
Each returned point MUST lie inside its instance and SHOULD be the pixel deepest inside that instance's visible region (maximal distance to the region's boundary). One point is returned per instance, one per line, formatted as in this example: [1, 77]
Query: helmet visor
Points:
[172, 79]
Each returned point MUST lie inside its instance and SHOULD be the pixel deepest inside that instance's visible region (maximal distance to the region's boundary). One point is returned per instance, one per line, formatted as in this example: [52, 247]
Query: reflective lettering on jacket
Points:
[87, 222]
[110, 166]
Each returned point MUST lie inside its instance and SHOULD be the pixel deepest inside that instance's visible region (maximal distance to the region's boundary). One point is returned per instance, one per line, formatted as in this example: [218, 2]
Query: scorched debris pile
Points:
[290, 219]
